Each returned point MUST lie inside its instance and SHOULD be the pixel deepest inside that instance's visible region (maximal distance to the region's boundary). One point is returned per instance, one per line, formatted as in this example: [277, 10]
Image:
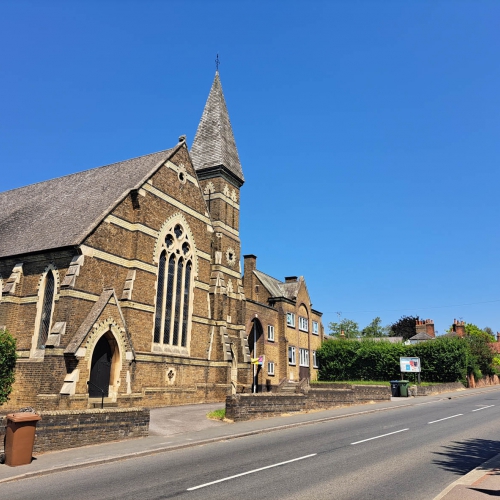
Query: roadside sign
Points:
[411, 365]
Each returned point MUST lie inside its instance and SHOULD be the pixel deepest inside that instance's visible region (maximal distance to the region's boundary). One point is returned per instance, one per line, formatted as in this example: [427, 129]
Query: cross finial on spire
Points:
[217, 63]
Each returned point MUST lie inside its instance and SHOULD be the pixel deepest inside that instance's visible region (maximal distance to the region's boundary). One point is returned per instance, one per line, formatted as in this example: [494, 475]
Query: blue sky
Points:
[368, 131]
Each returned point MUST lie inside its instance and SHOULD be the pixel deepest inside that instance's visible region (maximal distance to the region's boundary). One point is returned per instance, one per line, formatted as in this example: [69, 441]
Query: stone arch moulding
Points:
[36, 352]
[57, 281]
[167, 226]
[304, 305]
[118, 342]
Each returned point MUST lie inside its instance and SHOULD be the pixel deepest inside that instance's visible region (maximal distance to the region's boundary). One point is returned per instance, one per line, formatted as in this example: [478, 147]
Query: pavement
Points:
[185, 426]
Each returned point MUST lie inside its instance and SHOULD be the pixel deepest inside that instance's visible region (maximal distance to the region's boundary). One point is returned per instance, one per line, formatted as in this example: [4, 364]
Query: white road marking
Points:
[381, 436]
[250, 472]
[446, 418]
[483, 408]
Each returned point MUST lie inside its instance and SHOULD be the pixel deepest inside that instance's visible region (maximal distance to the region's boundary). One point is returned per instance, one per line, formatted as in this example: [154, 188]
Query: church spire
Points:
[214, 147]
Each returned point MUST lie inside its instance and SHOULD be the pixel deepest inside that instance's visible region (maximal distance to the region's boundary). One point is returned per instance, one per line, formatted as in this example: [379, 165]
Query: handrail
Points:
[102, 392]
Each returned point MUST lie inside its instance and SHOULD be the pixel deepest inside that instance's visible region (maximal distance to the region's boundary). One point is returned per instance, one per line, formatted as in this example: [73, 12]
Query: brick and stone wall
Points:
[250, 406]
[70, 429]
[428, 390]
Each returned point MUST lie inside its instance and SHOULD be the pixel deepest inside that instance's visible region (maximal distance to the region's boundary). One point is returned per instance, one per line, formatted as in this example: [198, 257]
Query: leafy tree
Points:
[473, 330]
[405, 327]
[489, 331]
[348, 326]
[7, 364]
[375, 329]
[480, 361]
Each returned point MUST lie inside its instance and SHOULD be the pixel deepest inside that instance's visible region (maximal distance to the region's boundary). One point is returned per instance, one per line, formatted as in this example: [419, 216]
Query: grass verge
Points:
[217, 414]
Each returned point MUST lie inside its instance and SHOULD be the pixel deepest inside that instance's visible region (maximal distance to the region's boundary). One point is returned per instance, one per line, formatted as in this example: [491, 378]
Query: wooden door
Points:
[100, 369]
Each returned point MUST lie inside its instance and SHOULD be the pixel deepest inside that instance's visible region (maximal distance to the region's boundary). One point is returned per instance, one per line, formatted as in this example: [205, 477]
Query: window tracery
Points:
[174, 289]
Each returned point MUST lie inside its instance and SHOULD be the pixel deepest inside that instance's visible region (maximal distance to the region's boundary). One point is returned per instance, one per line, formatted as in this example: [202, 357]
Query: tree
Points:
[348, 326]
[7, 364]
[405, 327]
[375, 329]
[481, 359]
[489, 331]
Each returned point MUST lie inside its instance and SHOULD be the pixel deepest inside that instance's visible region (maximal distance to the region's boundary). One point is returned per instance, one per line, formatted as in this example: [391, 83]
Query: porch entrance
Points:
[100, 369]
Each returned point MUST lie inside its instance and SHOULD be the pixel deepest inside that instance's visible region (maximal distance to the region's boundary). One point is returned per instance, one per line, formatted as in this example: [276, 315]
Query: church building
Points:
[124, 281]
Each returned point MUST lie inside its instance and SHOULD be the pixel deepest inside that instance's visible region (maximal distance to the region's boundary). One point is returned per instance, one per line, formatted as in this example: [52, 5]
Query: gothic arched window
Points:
[47, 298]
[174, 289]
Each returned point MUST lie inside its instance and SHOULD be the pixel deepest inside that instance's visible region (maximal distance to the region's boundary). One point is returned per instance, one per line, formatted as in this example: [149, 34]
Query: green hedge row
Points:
[442, 359]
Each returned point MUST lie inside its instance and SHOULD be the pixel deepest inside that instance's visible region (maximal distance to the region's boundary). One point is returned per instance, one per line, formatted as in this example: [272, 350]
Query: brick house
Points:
[124, 281]
[282, 326]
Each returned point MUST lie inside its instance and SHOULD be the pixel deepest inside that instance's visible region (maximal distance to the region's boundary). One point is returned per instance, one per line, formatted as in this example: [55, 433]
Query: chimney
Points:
[250, 263]
[429, 328]
[459, 328]
[249, 266]
[420, 326]
[290, 279]
[498, 336]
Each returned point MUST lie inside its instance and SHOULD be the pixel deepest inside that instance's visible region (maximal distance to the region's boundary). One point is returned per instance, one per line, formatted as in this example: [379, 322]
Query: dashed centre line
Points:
[445, 418]
[250, 472]
[483, 408]
[381, 436]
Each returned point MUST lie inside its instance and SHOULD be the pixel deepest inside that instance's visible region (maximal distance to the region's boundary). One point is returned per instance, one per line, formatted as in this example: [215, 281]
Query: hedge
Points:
[442, 360]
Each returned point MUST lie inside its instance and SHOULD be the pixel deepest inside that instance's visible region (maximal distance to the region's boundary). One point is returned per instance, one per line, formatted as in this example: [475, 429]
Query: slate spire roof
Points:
[214, 143]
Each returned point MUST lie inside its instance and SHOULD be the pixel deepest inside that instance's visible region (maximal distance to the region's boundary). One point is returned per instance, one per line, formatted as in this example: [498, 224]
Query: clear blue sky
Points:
[368, 131]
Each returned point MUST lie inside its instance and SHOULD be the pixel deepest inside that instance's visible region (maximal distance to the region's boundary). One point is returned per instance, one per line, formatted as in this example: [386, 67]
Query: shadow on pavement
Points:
[461, 457]
[492, 493]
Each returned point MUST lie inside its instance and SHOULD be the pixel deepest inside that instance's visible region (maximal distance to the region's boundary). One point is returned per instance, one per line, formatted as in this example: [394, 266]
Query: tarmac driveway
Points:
[171, 420]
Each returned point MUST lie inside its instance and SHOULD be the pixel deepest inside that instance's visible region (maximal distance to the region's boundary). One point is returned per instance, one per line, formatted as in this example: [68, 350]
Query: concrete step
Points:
[96, 403]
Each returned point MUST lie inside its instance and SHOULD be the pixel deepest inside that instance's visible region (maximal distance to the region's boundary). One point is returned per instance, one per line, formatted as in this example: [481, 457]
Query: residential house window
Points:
[315, 328]
[174, 289]
[304, 357]
[291, 355]
[47, 307]
[270, 368]
[290, 319]
[315, 360]
[303, 324]
[270, 333]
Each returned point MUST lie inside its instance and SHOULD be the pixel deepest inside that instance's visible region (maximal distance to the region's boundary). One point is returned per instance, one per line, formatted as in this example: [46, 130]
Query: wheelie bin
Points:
[395, 388]
[20, 437]
[403, 388]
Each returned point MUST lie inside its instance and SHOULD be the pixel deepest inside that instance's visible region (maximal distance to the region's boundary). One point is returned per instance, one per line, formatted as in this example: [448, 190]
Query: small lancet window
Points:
[47, 306]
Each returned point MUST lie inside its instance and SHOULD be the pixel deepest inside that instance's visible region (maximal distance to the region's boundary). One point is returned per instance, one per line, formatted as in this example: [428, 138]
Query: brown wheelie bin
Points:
[20, 437]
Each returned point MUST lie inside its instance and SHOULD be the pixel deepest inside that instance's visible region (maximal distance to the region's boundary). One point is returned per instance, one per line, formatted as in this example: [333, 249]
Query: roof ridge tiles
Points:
[87, 170]
[268, 275]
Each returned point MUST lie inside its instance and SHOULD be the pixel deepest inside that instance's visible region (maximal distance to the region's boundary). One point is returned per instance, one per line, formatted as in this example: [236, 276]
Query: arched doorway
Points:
[100, 369]
[254, 341]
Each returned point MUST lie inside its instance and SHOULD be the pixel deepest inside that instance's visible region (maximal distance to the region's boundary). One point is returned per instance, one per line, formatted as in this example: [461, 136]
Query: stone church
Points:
[124, 282]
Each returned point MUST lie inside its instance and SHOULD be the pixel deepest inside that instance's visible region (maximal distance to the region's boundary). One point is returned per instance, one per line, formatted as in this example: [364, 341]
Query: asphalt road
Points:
[408, 453]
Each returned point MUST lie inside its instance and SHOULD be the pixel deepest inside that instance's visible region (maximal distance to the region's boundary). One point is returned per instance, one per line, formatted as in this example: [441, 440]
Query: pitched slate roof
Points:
[214, 142]
[272, 285]
[277, 288]
[421, 336]
[62, 212]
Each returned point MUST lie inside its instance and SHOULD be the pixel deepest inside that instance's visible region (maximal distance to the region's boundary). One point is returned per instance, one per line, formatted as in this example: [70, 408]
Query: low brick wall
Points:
[251, 406]
[72, 428]
[429, 390]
